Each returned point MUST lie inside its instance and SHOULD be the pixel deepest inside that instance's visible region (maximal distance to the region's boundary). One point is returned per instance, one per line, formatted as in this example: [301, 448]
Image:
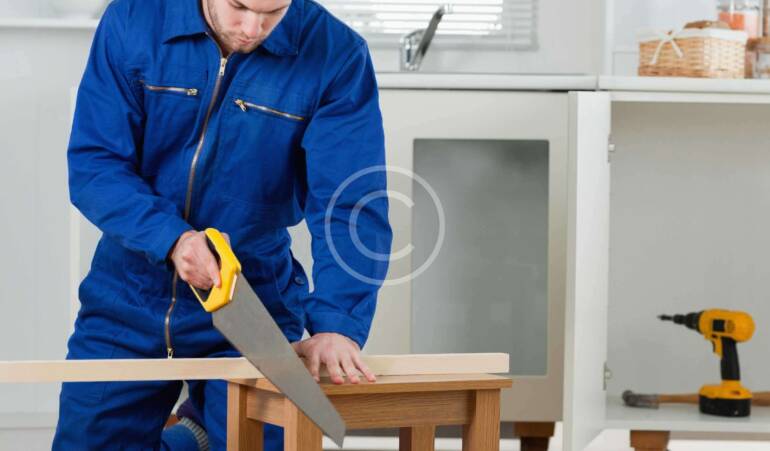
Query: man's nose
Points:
[252, 25]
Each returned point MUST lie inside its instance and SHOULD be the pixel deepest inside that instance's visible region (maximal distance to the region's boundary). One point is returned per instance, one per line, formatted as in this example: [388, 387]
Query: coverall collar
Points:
[184, 18]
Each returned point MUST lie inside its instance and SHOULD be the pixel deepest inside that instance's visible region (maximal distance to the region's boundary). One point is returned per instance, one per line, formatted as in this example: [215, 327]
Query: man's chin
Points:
[247, 48]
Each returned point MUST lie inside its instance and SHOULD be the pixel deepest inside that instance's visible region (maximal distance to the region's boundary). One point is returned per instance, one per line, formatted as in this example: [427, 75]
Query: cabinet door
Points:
[496, 165]
[587, 268]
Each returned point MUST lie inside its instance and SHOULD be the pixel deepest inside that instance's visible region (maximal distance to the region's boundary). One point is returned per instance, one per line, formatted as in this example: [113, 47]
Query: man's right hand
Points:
[194, 261]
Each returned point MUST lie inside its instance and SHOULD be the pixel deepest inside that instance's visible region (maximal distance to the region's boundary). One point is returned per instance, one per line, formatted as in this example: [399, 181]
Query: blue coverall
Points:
[169, 136]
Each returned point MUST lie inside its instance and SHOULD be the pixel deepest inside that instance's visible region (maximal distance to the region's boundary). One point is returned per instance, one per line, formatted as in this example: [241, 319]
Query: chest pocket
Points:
[261, 137]
[172, 105]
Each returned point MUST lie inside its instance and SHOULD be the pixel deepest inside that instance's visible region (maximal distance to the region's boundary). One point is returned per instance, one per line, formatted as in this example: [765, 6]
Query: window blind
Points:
[494, 23]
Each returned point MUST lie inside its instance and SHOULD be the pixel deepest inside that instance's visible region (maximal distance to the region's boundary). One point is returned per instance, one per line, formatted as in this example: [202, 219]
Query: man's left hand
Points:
[340, 354]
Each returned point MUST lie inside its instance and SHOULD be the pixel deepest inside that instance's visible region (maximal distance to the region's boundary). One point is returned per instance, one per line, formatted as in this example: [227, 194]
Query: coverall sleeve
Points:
[103, 153]
[346, 209]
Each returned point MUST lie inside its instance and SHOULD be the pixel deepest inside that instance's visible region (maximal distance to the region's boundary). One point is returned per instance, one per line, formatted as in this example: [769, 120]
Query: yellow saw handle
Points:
[229, 269]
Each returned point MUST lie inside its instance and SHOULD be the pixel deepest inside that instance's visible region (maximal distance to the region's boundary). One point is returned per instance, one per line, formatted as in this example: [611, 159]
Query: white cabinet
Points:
[518, 187]
[679, 227]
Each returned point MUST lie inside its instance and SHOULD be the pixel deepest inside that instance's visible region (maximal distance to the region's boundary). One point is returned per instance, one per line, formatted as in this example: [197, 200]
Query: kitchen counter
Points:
[685, 90]
[508, 82]
[623, 89]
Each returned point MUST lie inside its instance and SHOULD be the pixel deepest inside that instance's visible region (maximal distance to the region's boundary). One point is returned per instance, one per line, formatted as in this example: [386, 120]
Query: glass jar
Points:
[741, 15]
[762, 61]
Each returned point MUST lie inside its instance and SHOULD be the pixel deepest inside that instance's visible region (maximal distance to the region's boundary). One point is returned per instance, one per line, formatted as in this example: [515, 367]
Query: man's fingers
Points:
[192, 275]
[335, 372]
[350, 371]
[364, 368]
[187, 274]
[315, 367]
[210, 266]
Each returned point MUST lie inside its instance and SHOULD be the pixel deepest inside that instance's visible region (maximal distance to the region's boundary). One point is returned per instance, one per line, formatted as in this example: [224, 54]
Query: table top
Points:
[400, 384]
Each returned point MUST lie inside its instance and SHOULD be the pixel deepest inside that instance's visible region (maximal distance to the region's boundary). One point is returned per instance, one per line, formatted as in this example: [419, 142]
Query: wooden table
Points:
[415, 404]
[414, 392]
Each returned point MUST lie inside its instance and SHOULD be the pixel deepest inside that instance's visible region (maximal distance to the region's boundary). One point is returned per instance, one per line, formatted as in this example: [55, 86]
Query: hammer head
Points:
[632, 399]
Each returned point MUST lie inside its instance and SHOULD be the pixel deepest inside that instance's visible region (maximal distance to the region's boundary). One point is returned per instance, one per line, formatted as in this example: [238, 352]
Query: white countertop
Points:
[623, 89]
[681, 84]
[49, 23]
[513, 82]
[685, 90]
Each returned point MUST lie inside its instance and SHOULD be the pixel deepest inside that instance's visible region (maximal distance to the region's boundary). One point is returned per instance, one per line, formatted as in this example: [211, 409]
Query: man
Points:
[246, 116]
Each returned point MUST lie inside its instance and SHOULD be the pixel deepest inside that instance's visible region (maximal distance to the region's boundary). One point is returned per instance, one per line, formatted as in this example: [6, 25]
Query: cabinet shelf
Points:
[683, 418]
[49, 23]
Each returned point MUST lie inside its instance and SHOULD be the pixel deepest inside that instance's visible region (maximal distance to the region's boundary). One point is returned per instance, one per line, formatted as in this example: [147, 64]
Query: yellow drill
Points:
[723, 328]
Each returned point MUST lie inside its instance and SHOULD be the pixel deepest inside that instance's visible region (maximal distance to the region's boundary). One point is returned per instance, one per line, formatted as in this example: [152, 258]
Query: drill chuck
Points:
[691, 320]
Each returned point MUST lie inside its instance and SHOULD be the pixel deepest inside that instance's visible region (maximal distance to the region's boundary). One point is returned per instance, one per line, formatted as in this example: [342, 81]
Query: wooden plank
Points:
[403, 384]
[126, 370]
[231, 368]
[414, 364]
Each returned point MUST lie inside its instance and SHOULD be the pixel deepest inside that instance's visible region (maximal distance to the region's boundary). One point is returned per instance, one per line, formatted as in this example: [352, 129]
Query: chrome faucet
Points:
[415, 44]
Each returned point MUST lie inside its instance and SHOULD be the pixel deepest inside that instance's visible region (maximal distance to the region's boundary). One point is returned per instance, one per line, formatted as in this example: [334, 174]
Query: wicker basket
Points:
[692, 52]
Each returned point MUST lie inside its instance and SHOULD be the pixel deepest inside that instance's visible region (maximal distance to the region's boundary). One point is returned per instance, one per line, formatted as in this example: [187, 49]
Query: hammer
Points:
[653, 401]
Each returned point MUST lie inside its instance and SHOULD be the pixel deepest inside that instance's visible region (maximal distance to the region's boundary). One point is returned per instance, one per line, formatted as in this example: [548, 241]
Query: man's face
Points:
[242, 25]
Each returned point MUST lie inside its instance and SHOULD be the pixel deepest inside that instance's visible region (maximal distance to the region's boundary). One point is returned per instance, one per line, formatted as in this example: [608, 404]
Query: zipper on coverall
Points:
[188, 197]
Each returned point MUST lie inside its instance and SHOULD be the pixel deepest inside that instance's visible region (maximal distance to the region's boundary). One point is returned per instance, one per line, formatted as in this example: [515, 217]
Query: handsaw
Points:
[240, 316]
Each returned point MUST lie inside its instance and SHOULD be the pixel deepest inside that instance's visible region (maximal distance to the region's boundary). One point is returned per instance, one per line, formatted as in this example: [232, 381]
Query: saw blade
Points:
[250, 328]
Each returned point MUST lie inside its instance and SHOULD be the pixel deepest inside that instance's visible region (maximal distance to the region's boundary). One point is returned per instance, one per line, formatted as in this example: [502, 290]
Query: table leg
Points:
[483, 432]
[534, 436]
[299, 433]
[650, 440]
[417, 438]
[243, 434]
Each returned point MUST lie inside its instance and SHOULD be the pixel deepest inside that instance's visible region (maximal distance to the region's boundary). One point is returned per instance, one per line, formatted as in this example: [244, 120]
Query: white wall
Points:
[39, 70]
[570, 41]
[570, 37]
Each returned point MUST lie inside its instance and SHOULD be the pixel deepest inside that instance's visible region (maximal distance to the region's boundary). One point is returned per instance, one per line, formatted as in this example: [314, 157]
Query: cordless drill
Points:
[723, 328]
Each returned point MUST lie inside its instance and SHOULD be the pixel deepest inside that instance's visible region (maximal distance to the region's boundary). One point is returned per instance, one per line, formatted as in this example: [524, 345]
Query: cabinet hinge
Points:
[607, 376]
[610, 148]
